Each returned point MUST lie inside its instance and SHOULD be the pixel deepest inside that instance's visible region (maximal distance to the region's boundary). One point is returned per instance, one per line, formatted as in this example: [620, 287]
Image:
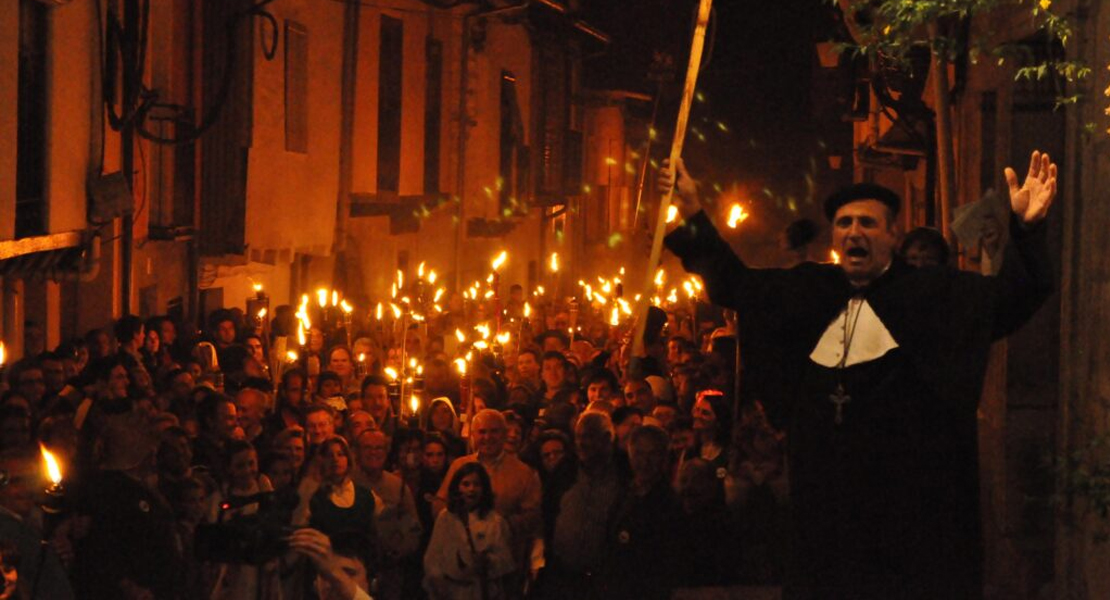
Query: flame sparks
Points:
[53, 471]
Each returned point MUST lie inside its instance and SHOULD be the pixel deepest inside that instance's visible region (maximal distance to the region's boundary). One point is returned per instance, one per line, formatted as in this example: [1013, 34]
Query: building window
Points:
[433, 109]
[389, 106]
[30, 202]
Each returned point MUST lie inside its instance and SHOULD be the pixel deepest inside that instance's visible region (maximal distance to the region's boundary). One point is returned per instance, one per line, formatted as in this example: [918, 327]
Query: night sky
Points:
[756, 116]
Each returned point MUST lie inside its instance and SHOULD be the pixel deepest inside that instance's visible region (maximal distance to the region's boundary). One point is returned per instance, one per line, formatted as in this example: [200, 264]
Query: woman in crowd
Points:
[712, 431]
[441, 419]
[330, 501]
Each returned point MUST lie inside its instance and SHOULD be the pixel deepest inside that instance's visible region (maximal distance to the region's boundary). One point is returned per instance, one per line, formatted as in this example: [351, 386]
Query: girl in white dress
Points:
[469, 553]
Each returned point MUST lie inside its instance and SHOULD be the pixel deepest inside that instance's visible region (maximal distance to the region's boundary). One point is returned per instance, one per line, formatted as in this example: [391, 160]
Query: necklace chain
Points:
[849, 333]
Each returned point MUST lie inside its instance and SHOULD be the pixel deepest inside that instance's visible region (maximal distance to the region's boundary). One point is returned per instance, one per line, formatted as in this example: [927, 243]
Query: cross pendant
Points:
[839, 398]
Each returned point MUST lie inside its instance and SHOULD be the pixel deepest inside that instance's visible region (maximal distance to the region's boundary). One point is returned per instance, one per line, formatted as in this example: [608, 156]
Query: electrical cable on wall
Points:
[136, 110]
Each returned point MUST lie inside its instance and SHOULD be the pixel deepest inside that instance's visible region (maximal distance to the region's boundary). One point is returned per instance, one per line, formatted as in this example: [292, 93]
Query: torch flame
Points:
[257, 287]
[835, 256]
[396, 310]
[300, 334]
[3, 354]
[500, 260]
[672, 213]
[459, 335]
[659, 278]
[432, 277]
[420, 270]
[361, 357]
[291, 356]
[391, 372]
[393, 290]
[412, 363]
[615, 317]
[503, 338]
[378, 312]
[540, 291]
[527, 310]
[439, 294]
[554, 262]
[334, 298]
[322, 297]
[460, 365]
[737, 215]
[347, 308]
[414, 403]
[400, 279]
[53, 471]
[483, 329]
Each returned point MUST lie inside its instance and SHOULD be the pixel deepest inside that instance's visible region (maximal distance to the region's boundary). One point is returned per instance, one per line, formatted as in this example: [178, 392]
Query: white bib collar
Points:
[870, 340]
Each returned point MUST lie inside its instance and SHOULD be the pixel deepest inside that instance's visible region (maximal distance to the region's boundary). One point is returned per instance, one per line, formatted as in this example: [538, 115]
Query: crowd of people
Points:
[196, 466]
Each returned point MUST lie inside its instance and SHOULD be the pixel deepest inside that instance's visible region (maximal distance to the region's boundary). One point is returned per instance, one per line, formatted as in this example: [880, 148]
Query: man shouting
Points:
[877, 368]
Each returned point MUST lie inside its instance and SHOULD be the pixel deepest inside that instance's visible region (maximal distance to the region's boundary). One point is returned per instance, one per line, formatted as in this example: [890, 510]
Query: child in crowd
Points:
[469, 552]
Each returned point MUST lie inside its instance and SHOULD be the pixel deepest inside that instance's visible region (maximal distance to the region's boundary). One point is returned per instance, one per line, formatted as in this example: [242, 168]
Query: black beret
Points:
[861, 191]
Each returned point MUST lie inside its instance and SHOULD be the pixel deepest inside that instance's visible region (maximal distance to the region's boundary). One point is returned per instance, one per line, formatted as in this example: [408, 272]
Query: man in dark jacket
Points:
[877, 368]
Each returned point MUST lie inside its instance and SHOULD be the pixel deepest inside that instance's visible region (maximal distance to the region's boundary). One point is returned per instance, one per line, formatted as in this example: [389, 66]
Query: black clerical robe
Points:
[885, 503]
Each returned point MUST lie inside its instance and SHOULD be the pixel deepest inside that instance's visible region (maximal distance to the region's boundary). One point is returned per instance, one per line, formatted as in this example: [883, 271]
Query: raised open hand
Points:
[1031, 200]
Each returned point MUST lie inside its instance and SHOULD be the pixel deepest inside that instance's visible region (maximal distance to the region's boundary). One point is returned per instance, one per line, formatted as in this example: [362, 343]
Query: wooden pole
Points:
[946, 164]
[696, 48]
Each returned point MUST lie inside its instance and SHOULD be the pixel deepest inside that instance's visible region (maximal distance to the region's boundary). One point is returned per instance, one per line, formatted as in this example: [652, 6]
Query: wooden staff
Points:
[696, 48]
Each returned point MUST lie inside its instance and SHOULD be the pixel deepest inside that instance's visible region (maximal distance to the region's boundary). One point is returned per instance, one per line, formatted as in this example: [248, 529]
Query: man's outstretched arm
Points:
[1026, 278]
[729, 282]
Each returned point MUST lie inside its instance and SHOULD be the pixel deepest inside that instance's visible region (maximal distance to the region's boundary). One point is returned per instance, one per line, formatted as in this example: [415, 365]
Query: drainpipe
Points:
[348, 78]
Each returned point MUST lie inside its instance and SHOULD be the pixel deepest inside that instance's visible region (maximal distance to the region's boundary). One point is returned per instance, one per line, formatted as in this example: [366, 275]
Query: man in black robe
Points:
[877, 368]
